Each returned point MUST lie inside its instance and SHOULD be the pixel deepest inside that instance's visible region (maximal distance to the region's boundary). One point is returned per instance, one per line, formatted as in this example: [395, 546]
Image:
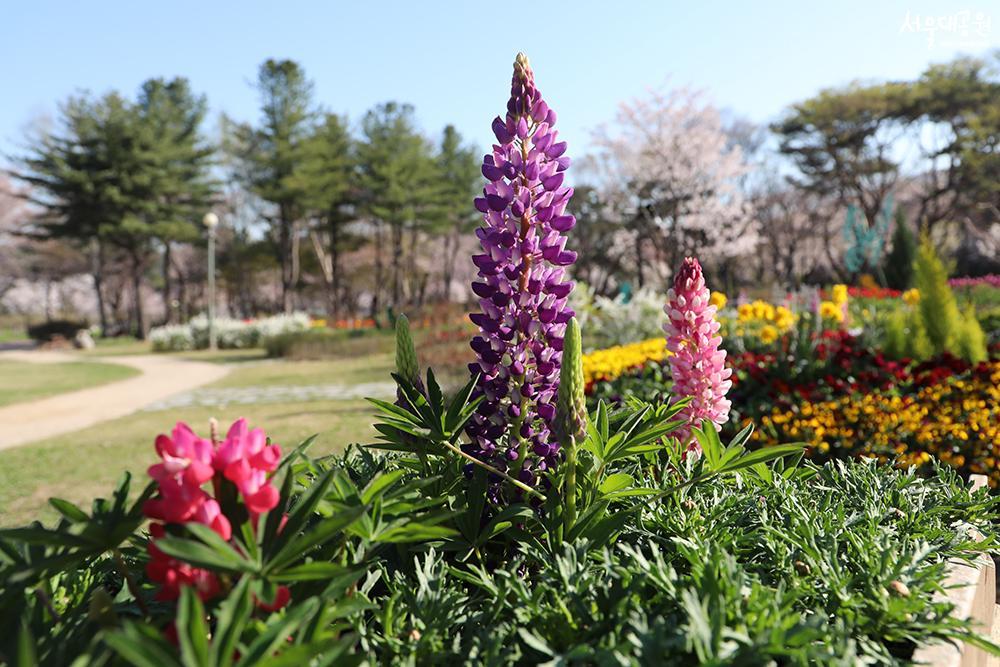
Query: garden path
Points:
[161, 377]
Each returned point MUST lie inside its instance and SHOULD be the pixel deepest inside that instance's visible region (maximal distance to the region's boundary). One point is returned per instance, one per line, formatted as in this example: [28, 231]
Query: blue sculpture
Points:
[865, 244]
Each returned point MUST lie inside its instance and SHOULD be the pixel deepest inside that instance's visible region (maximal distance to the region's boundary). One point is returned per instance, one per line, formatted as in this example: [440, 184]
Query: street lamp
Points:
[211, 221]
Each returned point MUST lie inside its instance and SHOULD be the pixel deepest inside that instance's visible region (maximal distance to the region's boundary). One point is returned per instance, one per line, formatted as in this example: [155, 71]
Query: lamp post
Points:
[211, 221]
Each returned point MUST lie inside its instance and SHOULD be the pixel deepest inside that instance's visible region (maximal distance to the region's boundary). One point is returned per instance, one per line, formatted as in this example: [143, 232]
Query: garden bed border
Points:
[971, 587]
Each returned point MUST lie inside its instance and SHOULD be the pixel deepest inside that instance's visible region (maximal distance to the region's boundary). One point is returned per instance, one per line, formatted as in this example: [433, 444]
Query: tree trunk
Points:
[397, 261]
[334, 267]
[285, 248]
[447, 266]
[290, 302]
[377, 288]
[140, 315]
[413, 280]
[168, 311]
[639, 273]
[97, 271]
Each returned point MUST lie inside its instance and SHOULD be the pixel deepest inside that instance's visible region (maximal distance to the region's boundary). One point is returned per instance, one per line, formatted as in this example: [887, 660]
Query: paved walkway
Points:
[162, 377]
[256, 394]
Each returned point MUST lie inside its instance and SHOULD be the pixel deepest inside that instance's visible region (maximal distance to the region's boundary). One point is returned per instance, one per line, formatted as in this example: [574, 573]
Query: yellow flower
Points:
[768, 334]
[317, 323]
[911, 296]
[839, 294]
[718, 299]
[829, 310]
[784, 318]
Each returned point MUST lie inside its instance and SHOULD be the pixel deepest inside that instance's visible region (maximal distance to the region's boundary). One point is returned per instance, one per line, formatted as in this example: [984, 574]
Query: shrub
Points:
[938, 307]
[946, 328]
[970, 340]
[172, 338]
[230, 334]
[52, 330]
[899, 261]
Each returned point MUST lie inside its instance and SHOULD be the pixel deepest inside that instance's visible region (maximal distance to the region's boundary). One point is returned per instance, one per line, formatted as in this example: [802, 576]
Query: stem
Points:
[43, 596]
[130, 582]
[570, 494]
[519, 484]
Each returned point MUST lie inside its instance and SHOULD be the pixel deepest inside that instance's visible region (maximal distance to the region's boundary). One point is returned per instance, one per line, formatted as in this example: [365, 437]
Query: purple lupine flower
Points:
[522, 285]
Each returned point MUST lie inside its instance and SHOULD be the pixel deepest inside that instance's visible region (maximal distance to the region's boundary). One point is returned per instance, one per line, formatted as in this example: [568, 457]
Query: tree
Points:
[326, 177]
[600, 241]
[12, 214]
[842, 142]
[269, 154]
[93, 189]
[899, 261]
[954, 115]
[459, 180]
[169, 121]
[794, 234]
[399, 183]
[671, 174]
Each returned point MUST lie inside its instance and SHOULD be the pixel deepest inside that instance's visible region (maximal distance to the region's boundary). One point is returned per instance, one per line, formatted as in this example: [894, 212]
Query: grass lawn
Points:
[24, 381]
[83, 465]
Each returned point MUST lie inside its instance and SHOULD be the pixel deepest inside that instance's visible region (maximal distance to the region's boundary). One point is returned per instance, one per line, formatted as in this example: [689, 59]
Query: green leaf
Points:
[615, 482]
[45, 537]
[215, 555]
[435, 399]
[299, 514]
[395, 411]
[231, 619]
[26, 654]
[378, 486]
[761, 456]
[413, 531]
[142, 649]
[278, 631]
[192, 631]
[458, 403]
[321, 533]
[602, 421]
[311, 571]
[73, 513]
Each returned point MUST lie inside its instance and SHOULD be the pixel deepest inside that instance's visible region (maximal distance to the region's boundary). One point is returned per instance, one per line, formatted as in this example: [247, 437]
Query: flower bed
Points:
[230, 333]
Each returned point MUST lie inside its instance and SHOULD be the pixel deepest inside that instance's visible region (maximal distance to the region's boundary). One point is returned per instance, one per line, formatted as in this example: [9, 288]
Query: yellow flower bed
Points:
[608, 364]
[764, 313]
[957, 421]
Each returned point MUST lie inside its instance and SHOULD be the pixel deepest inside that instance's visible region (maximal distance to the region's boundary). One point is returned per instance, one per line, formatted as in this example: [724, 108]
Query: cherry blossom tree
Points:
[672, 175]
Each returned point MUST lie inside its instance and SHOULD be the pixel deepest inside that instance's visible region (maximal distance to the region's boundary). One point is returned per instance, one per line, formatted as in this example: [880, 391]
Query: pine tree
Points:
[899, 261]
[326, 176]
[267, 158]
[938, 308]
[399, 182]
[178, 159]
[460, 182]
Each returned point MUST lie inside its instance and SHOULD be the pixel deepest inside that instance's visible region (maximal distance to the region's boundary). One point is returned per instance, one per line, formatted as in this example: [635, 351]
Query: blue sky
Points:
[452, 60]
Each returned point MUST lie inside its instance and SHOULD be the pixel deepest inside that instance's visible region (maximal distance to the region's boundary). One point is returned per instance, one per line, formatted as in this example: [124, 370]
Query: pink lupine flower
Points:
[245, 458]
[188, 463]
[698, 364]
[185, 453]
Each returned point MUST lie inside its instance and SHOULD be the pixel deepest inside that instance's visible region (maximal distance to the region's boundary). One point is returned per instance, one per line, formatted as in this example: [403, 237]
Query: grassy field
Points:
[23, 381]
[84, 465]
